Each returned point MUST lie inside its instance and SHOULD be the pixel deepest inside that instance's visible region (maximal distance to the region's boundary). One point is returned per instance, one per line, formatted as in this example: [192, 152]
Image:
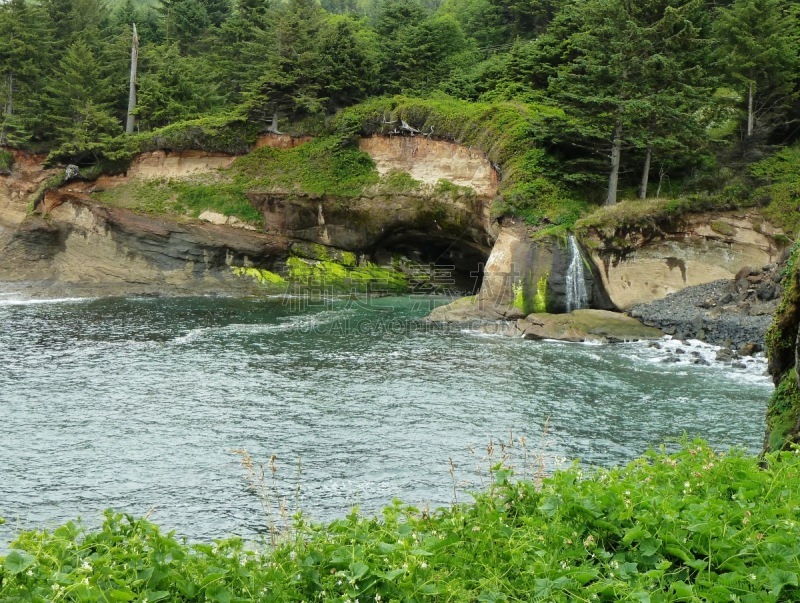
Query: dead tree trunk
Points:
[645, 173]
[616, 155]
[661, 173]
[273, 127]
[131, 122]
[750, 117]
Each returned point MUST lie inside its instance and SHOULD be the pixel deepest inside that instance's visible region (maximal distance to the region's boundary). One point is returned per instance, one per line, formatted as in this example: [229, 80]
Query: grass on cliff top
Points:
[693, 526]
[648, 213]
[506, 132]
[321, 166]
[182, 197]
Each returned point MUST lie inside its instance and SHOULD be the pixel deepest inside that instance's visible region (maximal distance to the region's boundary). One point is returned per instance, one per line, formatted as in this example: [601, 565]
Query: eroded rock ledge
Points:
[84, 247]
[645, 263]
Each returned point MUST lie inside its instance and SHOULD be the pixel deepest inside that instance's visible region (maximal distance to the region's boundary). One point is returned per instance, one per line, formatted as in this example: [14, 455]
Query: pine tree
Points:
[348, 58]
[173, 88]
[627, 77]
[293, 81]
[24, 44]
[78, 101]
[757, 47]
[242, 48]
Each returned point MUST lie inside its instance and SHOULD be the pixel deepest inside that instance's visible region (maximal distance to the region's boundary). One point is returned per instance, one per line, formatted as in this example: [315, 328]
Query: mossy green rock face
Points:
[526, 272]
[783, 350]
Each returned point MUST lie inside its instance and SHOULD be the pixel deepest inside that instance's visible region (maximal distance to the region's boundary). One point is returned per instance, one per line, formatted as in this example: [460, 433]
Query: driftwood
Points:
[404, 129]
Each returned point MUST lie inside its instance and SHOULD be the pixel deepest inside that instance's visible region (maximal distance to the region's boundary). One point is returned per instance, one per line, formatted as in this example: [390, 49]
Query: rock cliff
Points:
[77, 245]
[642, 264]
[783, 350]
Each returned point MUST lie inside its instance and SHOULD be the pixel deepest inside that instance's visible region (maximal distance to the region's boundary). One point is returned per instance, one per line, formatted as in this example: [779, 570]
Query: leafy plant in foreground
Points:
[695, 525]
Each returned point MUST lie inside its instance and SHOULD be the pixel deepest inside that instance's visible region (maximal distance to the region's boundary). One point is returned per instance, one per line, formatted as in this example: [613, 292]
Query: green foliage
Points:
[783, 414]
[331, 276]
[781, 191]
[398, 181]
[182, 197]
[446, 188]
[757, 43]
[321, 166]
[649, 214]
[148, 196]
[781, 336]
[6, 161]
[505, 132]
[695, 525]
[227, 199]
[173, 89]
[225, 133]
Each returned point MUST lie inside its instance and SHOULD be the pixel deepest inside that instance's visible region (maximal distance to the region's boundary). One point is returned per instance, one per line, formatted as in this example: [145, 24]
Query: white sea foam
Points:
[300, 322]
[700, 354]
[33, 302]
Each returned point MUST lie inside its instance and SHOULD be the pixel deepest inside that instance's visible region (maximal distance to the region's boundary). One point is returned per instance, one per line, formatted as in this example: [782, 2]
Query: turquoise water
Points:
[137, 404]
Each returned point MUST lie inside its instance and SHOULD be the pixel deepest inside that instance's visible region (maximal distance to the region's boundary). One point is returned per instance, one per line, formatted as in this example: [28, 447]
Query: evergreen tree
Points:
[218, 11]
[292, 82]
[757, 42]
[173, 88]
[185, 23]
[78, 99]
[23, 59]
[348, 58]
[242, 48]
[627, 72]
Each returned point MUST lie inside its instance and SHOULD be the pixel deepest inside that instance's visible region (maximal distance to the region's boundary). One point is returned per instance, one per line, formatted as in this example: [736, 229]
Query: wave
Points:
[33, 302]
[302, 322]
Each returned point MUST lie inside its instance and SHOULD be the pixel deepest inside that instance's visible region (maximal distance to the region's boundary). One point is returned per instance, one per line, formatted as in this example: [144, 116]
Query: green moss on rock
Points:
[327, 276]
[723, 228]
[540, 300]
[265, 277]
[783, 414]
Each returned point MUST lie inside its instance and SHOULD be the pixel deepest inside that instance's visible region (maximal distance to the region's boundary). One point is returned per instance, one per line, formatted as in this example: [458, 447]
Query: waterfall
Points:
[577, 297]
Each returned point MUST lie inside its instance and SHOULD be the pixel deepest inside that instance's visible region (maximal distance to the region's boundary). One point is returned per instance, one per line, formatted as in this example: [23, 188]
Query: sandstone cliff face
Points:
[525, 274]
[88, 248]
[183, 164]
[639, 266]
[26, 177]
[432, 160]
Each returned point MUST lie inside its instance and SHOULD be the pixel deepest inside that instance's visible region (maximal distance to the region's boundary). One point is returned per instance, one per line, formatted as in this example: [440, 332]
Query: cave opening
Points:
[453, 265]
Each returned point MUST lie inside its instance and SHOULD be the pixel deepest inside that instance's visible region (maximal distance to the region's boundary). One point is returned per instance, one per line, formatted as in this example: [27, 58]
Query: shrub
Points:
[694, 525]
[6, 162]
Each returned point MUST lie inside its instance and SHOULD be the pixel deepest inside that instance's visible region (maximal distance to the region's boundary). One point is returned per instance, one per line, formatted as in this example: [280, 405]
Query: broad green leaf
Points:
[649, 546]
[218, 594]
[682, 590]
[779, 578]
[358, 570]
[17, 562]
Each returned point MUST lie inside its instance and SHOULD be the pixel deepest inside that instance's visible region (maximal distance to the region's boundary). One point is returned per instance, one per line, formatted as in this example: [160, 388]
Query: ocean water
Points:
[137, 404]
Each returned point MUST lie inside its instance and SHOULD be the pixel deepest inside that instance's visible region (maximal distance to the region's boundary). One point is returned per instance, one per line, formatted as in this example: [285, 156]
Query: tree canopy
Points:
[667, 85]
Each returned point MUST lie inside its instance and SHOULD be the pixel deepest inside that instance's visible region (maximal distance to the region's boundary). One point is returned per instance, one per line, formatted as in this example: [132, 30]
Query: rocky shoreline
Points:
[733, 314]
